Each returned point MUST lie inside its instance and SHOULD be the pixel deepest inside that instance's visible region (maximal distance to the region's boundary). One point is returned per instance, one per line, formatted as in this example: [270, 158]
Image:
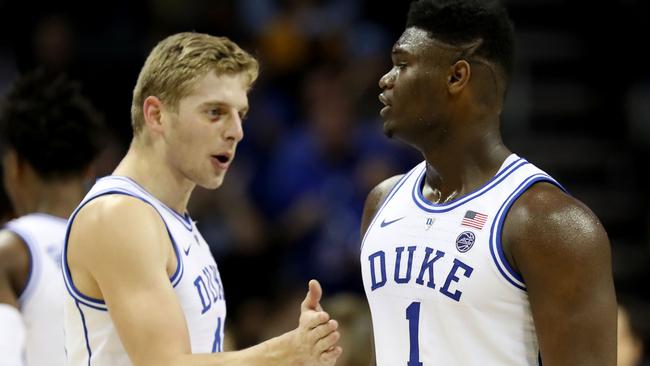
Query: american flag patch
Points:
[474, 219]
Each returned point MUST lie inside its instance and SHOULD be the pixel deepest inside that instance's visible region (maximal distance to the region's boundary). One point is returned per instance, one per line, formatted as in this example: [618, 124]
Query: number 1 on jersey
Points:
[413, 316]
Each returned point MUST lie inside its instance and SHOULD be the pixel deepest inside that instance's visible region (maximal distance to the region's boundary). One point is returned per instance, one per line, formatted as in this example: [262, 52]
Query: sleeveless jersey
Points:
[90, 335]
[41, 301]
[440, 289]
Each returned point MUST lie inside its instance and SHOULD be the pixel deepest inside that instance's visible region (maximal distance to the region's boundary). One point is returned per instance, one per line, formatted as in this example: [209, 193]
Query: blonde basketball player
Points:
[143, 286]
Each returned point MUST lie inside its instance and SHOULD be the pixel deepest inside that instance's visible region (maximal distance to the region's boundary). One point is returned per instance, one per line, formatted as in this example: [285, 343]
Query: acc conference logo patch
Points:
[465, 241]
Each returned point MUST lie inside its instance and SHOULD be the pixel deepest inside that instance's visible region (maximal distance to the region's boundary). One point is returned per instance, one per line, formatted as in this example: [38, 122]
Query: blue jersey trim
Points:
[496, 245]
[175, 279]
[34, 262]
[185, 219]
[427, 206]
[98, 303]
[390, 196]
[83, 322]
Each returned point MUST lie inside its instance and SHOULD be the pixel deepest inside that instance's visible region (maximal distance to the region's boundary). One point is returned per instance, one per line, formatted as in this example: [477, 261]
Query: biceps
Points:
[575, 317]
[148, 318]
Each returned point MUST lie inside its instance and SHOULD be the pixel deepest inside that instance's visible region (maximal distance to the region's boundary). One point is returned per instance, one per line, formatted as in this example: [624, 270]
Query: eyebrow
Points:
[242, 111]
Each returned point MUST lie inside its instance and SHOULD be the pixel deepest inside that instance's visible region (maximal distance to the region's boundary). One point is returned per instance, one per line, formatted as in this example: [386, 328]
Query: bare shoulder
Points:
[546, 224]
[111, 226]
[562, 252]
[375, 198]
[545, 211]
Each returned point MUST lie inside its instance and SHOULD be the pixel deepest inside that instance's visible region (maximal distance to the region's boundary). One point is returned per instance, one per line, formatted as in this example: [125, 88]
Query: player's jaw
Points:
[387, 112]
[218, 162]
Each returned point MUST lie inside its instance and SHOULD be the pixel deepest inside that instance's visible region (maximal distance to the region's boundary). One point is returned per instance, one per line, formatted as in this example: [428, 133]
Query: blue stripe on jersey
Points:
[427, 206]
[390, 195]
[83, 322]
[98, 303]
[496, 245]
[185, 219]
[175, 279]
[34, 262]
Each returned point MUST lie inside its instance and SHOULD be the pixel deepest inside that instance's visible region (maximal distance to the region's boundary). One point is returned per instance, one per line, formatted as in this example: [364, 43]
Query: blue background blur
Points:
[578, 107]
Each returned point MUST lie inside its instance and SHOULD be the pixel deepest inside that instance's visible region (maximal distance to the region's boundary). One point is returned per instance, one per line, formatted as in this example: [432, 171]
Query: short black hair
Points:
[50, 124]
[459, 22]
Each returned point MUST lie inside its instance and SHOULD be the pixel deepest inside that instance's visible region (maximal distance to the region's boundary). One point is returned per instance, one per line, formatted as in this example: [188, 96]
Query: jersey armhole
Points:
[100, 304]
[496, 246]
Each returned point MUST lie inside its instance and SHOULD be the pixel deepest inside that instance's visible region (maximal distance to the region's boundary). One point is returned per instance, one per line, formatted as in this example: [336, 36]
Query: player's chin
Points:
[213, 182]
[388, 128]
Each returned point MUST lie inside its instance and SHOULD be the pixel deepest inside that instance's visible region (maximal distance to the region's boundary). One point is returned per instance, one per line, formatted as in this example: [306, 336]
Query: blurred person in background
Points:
[319, 175]
[50, 135]
[633, 331]
[476, 256]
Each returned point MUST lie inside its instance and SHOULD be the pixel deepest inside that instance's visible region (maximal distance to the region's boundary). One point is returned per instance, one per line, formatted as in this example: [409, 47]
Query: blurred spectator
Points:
[355, 325]
[317, 180]
[54, 43]
[633, 332]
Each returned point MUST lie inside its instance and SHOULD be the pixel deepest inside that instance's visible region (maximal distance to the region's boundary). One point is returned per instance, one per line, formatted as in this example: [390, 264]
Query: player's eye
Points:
[215, 113]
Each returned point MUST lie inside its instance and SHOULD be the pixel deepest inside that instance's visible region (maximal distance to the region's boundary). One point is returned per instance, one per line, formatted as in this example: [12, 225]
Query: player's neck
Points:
[58, 198]
[148, 168]
[458, 166]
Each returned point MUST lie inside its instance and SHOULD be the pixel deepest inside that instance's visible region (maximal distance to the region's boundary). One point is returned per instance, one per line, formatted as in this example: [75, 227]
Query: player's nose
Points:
[234, 130]
[386, 81]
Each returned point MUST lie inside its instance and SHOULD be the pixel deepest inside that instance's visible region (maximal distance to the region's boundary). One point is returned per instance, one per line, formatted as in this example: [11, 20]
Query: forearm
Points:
[12, 336]
[267, 353]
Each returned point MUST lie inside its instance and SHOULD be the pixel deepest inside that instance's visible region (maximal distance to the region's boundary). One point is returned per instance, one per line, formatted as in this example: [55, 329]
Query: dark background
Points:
[578, 107]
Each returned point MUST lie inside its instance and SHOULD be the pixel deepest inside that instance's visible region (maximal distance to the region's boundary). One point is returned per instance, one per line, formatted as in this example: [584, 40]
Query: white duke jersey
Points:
[90, 335]
[440, 289]
[41, 301]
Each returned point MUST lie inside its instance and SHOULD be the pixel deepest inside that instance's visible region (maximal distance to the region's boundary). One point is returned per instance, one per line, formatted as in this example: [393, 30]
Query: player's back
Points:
[91, 336]
[439, 287]
[41, 300]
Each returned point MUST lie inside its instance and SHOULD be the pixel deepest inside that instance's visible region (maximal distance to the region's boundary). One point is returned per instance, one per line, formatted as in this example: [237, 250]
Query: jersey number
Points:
[413, 316]
[217, 344]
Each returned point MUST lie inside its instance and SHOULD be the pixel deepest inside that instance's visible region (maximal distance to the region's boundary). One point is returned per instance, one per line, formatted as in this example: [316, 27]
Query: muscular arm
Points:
[14, 270]
[120, 245]
[375, 198]
[562, 252]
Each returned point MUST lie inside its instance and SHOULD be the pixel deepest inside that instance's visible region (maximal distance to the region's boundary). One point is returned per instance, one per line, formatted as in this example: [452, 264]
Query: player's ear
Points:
[152, 110]
[459, 74]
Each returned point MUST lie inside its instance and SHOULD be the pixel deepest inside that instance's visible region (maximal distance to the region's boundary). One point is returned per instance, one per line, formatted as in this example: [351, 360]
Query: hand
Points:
[313, 343]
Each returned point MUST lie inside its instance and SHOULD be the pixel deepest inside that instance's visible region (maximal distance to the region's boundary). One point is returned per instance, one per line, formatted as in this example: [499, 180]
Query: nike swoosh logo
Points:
[188, 249]
[386, 223]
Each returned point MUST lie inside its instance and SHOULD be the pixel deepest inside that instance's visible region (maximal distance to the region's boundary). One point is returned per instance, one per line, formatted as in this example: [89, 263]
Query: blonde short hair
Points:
[178, 60]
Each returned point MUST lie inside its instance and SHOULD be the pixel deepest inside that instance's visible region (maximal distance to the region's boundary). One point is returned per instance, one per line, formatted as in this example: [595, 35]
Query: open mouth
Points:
[222, 158]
